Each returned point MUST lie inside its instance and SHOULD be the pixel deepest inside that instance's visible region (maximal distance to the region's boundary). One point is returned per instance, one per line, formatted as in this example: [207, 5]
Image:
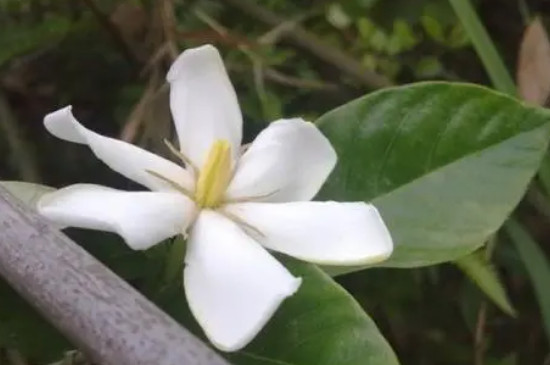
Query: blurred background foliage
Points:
[108, 58]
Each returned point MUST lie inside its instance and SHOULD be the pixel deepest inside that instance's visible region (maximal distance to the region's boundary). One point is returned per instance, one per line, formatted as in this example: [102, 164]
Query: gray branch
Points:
[99, 312]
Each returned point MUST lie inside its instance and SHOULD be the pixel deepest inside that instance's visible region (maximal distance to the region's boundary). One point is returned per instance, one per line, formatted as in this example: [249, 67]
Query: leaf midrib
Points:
[463, 157]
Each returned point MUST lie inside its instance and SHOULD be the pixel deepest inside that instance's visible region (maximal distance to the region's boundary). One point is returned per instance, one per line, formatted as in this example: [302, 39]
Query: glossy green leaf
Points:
[320, 325]
[445, 164]
[484, 275]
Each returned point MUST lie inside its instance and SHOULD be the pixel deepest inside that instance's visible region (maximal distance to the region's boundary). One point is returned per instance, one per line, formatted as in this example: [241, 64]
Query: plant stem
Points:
[485, 48]
[537, 265]
[544, 174]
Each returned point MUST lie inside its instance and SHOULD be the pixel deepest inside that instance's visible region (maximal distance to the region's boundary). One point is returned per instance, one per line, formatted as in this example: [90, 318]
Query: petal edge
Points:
[204, 103]
[288, 161]
[233, 285]
[126, 159]
[327, 233]
[143, 219]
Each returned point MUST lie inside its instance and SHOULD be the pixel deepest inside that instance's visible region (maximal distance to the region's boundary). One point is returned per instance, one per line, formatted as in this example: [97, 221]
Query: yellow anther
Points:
[214, 175]
[173, 184]
[181, 156]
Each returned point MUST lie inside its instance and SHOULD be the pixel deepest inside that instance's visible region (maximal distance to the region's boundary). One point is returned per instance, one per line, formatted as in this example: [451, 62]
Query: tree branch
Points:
[103, 315]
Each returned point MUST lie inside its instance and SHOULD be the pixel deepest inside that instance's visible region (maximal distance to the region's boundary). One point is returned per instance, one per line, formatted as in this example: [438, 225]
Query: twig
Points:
[168, 21]
[257, 64]
[163, 31]
[272, 36]
[479, 336]
[134, 121]
[217, 27]
[113, 31]
[315, 45]
[260, 70]
[99, 312]
[288, 80]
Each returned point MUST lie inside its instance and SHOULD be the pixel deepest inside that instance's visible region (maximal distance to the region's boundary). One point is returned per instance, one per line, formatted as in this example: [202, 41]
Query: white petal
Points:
[203, 102]
[143, 219]
[288, 161]
[125, 158]
[233, 285]
[329, 233]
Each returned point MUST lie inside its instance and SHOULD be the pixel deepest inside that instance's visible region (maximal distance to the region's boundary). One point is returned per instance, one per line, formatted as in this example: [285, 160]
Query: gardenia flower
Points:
[235, 206]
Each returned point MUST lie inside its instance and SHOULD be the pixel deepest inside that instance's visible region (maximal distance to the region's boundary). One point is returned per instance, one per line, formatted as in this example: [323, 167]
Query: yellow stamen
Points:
[250, 198]
[214, 175]
[180, 155]
[246, 226]
[173, 184]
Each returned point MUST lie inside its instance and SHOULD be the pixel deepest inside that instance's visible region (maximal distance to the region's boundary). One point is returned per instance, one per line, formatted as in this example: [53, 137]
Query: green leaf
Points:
[484, 275]
[320, 325]
[537, 265]
[28, 193]
[433, 28]
[22, 328]
[444, 163]
[21, 38]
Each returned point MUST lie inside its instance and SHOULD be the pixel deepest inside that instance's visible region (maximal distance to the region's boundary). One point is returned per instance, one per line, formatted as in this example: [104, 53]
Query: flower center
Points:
[214, 175]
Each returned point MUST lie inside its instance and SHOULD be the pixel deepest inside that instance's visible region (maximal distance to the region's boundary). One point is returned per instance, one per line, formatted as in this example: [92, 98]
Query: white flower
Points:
[233, 206]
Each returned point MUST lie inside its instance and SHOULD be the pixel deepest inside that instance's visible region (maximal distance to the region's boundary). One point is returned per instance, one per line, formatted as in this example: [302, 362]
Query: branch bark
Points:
[315, 45]
[99, 312]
